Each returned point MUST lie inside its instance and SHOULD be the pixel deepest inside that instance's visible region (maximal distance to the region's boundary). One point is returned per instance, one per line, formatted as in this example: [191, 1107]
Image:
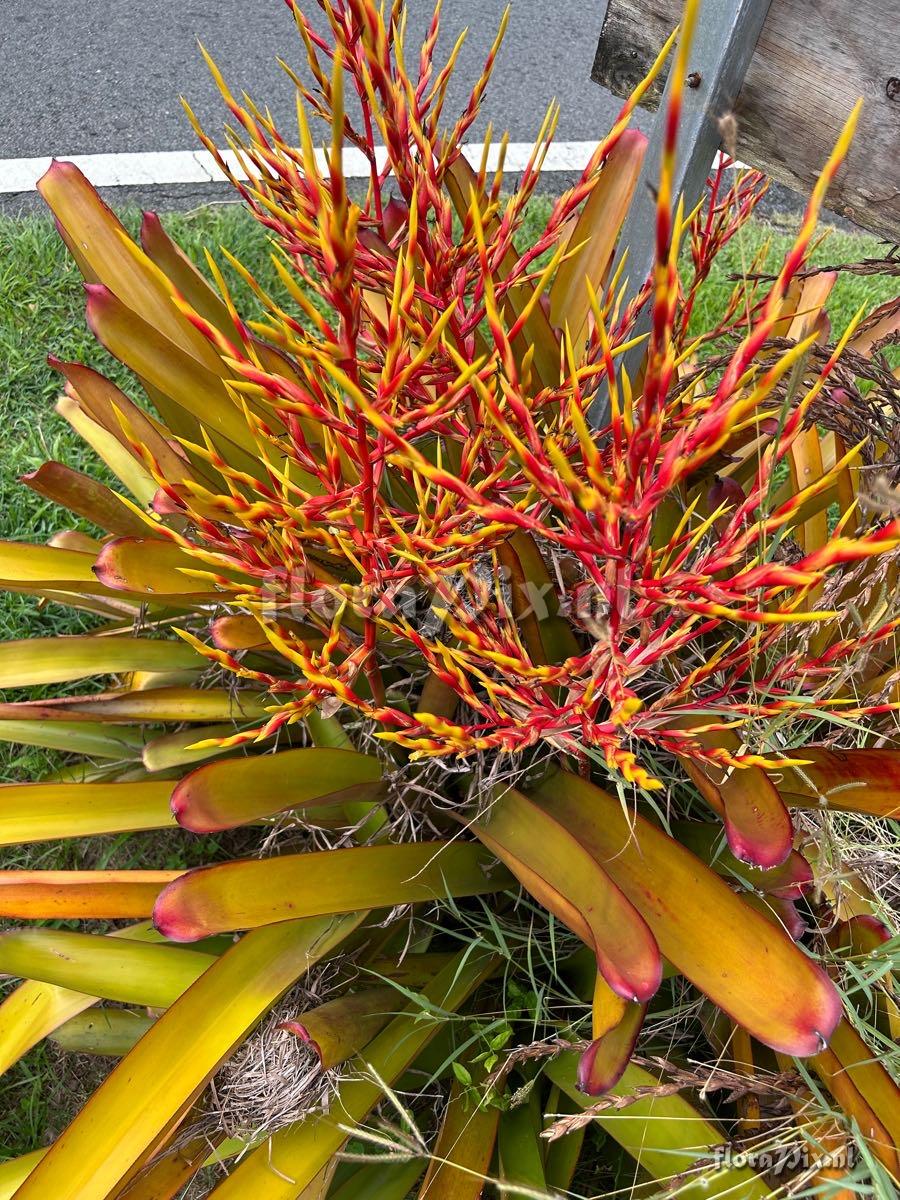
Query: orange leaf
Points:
[559, 871]
[222, 795]
[81, 895]
[741, 961]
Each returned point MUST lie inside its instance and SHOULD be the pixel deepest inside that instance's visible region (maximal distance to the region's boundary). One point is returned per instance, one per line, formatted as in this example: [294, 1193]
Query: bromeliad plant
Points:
[381, 590]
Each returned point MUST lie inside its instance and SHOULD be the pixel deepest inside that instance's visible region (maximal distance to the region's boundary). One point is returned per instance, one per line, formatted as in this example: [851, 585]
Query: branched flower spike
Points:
[451, 412]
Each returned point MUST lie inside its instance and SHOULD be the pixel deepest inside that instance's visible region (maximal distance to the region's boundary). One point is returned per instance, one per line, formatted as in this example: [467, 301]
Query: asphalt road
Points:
[100, 76]
[105, 76]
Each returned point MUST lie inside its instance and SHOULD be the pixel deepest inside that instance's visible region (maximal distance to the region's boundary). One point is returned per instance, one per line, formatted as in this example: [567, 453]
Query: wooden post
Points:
[813, 60]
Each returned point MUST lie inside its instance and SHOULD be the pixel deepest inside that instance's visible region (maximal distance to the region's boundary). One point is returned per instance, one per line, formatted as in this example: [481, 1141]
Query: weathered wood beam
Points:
[814, 59]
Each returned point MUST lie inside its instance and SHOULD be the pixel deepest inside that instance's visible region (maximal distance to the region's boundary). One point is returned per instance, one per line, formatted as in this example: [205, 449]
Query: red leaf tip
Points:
[169, 918]
[757, 852]
[59, 167]
[302, 1033]
[633, 139]
[184, 812]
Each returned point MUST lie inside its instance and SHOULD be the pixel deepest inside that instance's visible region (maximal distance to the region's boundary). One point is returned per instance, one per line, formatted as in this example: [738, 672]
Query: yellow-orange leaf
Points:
[81, 895]
[746, 965]
[244, 895]
[38, 812]
[559, 872]
[222, 795]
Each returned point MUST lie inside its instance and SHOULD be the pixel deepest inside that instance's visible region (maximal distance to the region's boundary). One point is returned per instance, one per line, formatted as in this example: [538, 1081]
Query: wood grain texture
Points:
[815, 58]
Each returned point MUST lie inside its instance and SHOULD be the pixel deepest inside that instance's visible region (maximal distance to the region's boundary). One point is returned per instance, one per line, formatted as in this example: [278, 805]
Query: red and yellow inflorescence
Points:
[446, 492]
[415, 494]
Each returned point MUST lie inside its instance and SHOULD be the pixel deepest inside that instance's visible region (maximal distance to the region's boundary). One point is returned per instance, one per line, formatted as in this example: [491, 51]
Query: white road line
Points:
[156, 167]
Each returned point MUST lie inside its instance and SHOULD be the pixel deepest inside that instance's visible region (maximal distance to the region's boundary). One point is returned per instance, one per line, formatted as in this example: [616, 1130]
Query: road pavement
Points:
[100, 76]
[87, 77]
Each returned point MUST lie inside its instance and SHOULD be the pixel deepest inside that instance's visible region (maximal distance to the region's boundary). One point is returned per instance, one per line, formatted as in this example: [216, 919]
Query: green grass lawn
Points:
[42, 312]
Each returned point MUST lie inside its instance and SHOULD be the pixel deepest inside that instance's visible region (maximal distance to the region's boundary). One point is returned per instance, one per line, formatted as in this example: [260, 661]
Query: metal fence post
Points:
[726, 37]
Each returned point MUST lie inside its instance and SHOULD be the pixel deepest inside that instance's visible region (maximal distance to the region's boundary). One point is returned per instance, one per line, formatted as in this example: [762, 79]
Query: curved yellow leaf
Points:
[25, 565]
[176, 1057]
[120, 969]
[107, 1031]
[38, 812]
[60, 659]
[90, 738]
[244, 895]
[222, 795]
[34, 1010]
[108, 447]
[744, 963]
[15, 1171]
[151, 704]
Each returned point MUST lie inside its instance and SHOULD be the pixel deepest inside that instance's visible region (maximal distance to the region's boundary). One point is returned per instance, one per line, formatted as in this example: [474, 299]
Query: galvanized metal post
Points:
[726, 37]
